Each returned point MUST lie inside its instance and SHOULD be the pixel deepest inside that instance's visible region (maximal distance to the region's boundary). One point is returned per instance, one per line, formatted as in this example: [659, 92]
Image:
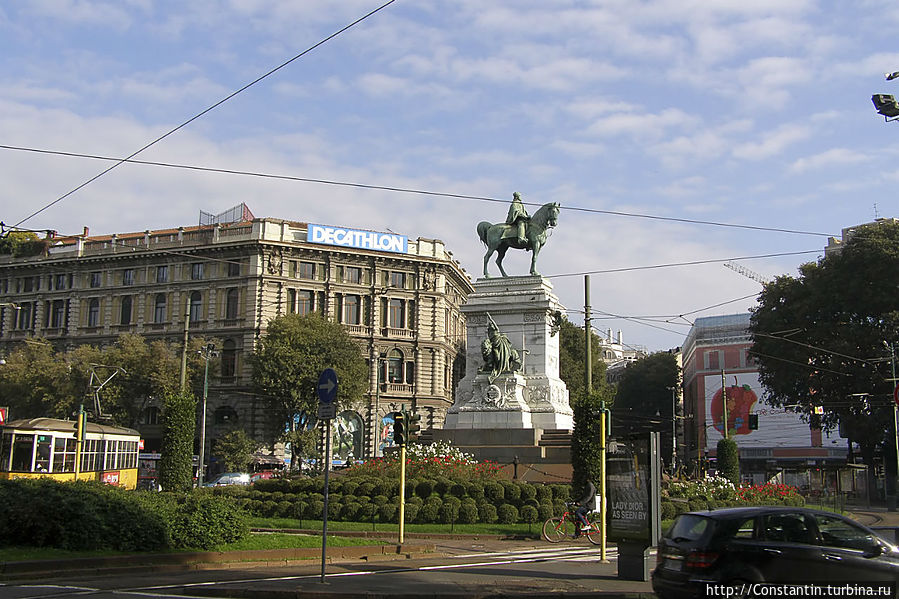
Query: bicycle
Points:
[563, 527]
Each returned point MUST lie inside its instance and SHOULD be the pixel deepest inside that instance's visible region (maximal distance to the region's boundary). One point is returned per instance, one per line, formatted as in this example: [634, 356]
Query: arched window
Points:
[229, 358]
[93, 313]
[125, 313]
[151, 415]
[159, 310]
[231, 304]
[196, 306]
[395, 366]
[225, 415]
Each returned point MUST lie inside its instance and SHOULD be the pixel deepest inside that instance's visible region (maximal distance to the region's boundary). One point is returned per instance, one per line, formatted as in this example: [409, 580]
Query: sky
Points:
[677, 135]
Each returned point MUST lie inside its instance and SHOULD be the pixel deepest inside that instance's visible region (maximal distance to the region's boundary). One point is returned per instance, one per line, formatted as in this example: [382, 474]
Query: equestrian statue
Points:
[520, 231]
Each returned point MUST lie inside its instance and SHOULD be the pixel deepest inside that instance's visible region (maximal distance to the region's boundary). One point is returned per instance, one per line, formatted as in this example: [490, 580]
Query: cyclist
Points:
[586, 504]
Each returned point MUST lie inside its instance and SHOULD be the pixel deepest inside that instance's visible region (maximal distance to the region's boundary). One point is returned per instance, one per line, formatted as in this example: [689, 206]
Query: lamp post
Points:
[207, 353]
[673, 429]
[891, 498]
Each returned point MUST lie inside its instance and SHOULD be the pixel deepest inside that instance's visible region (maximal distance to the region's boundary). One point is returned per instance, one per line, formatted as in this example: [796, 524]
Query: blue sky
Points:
[749, 113]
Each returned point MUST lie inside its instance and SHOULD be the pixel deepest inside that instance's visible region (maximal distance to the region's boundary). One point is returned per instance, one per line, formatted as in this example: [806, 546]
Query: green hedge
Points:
[89, 515]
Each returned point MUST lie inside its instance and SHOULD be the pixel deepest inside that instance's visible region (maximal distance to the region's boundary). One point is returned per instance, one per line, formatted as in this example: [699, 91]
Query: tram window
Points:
[63, 455]
[42, 460]
[22, 453]
[5, 445]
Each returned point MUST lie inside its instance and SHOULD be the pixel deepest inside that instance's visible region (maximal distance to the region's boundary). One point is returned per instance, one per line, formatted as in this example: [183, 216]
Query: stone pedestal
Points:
[524, 309]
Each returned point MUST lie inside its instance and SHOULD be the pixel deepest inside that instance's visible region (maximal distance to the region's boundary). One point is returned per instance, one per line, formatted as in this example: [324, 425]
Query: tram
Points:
[47, 447]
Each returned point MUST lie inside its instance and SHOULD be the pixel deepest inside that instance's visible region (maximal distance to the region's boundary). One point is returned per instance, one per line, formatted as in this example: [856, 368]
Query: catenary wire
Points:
[119, 162]
[396, 189]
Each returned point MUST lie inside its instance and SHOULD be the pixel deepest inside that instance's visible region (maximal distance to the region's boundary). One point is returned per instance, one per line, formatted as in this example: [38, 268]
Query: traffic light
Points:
[399, 429]
[753, 422]
[413, 427]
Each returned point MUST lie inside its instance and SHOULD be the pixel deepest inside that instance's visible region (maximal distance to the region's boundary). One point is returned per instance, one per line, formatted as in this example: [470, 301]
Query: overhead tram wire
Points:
[424, 192]
[205, 111]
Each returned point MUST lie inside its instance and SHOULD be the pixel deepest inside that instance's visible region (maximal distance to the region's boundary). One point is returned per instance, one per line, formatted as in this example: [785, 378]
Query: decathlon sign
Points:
[354, 238]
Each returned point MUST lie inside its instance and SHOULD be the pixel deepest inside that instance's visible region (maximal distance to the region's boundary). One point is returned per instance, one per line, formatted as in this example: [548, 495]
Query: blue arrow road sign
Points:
[327, 386]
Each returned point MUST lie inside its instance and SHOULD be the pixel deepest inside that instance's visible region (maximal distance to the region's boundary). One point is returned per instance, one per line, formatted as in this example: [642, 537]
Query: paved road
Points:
[465, 569]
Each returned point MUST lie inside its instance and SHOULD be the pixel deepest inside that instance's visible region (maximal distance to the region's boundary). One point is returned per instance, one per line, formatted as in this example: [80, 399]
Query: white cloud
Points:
[773, 142]
[835, 157]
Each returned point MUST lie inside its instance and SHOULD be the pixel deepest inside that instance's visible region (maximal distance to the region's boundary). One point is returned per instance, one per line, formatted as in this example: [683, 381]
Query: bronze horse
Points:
[500, 237]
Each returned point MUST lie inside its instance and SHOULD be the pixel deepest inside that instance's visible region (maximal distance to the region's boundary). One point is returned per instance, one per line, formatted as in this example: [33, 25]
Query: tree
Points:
[291, 356]
[585, 438]
[819, 338]
[179, 423]
[645, 391]
[729, 460]
[235, 448]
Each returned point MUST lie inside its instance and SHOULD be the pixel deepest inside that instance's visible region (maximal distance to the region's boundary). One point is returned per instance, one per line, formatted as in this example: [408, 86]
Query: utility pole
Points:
[207, 353]
[588, 391]
[724, 402]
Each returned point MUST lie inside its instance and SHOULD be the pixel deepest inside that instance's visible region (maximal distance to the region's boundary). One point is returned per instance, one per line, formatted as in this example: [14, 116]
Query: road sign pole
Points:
[325, 510]
[402, 490]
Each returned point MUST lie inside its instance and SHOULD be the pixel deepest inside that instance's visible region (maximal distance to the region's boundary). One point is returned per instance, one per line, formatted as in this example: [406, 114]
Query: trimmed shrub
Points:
[201, 521]
[507, 514]
[487, 513]
[380, 499]
[449, 511]
[528, 492]
[561, 492]
[729, 460]
[389, 512]
[494, 491]
[667, 510]
[334, 508]
[544, 493]
[411, 510]
[424, 488]
[544, 512]
[475, 489]
[511, 491]
[529, 514]
[443, 485]
[430, 510]
[468, 511]
[458, 490]
[315, 509]
[366, 512]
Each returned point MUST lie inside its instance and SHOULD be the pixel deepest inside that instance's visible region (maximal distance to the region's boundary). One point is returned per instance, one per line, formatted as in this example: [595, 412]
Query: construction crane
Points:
[749, 274]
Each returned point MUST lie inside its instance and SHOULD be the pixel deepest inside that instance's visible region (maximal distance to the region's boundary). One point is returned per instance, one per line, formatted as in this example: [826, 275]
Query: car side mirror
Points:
[875, 549]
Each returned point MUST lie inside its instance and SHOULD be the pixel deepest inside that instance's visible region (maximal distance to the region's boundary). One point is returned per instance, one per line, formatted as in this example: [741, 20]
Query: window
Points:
[396, 314]
[351, 311]
[162, 274]
[304, 302]
[59, 282]
[125, 310]
[229, 358]
[410, 372]
[231, 297]
[398, 279]
[25, 314]
[395, 366]
[196, 306]
[159, 310]
[234, 269]
[93, 313]
[352, 274]
[196, 271]
[225, 415]
[151, 415]
[128, 276]
[96, 279]
[789, 528]
[58, 314]
[836, 532]
[713, 360]
[306, 270]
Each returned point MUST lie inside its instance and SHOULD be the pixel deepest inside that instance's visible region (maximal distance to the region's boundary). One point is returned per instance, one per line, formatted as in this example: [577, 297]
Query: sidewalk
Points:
[886, 523]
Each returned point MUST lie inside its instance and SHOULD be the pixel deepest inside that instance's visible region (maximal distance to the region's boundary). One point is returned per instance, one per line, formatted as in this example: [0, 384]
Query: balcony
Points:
[397, 333]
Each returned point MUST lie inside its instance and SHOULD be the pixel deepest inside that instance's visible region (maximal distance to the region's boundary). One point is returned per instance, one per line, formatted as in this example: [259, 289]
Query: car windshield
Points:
[689, 527]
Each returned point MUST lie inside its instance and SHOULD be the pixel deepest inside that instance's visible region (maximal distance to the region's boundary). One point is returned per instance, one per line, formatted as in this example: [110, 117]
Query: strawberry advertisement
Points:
[777, 427]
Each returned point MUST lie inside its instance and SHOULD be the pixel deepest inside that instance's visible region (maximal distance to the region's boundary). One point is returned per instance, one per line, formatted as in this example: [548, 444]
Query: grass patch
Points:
[462, 529]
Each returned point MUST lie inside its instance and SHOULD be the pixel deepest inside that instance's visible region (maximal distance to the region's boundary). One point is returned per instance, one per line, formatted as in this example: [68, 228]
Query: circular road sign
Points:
[327, 386]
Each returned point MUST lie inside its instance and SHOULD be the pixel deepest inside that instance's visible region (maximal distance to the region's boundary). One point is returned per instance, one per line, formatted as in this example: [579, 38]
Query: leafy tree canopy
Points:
[572, 348]
[291, 356]
[645, 386]
[819, 338]
[235, 448]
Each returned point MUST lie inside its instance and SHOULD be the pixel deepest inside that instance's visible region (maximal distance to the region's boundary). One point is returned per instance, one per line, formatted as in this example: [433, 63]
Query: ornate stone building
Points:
[400, 298]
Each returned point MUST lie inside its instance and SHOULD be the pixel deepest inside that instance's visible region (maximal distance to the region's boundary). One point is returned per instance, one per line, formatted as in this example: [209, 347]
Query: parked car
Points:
[768, 544]
[263, 475]
[229, 478]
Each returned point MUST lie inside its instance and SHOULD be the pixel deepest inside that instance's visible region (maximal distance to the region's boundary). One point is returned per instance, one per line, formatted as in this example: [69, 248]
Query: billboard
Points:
[777, 427]
[356, 238]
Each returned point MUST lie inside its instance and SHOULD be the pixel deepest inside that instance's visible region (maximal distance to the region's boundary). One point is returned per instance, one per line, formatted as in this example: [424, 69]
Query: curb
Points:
[201, 560]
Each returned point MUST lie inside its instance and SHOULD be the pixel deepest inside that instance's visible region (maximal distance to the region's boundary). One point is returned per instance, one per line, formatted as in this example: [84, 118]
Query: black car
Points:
[734, 546]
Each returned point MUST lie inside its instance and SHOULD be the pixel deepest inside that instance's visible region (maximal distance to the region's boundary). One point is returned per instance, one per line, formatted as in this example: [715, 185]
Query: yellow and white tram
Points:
[47, 447]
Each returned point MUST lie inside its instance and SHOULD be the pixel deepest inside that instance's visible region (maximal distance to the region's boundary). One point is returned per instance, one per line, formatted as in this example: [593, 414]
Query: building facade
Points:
[716, 356]
[399, 298]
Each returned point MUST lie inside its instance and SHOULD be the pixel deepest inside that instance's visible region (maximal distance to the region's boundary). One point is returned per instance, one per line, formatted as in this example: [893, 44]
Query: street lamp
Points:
[885, 104]
[673, 428]
[891, 499]
[207, 353]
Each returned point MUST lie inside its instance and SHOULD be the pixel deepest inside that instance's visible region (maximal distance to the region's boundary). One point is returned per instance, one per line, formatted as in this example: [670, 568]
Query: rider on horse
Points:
[518, 216]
